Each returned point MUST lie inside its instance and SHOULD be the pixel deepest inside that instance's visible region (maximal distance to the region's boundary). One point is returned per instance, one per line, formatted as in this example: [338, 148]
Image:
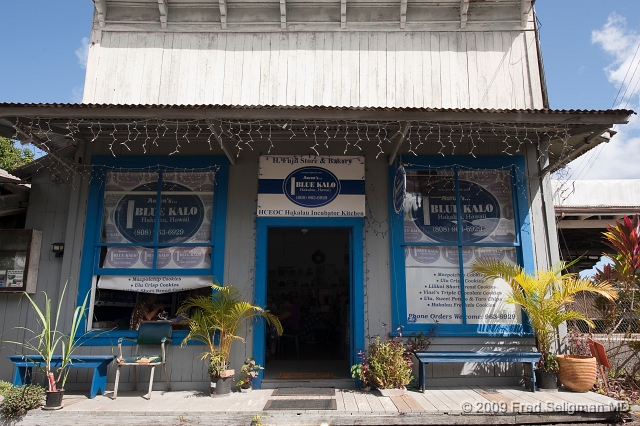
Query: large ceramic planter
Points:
[577, 373]
[392, 392]
[546, 381]
[221, 386]
[53, 400]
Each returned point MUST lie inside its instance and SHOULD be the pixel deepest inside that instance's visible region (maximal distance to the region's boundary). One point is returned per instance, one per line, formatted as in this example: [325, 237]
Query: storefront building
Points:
[353, 169]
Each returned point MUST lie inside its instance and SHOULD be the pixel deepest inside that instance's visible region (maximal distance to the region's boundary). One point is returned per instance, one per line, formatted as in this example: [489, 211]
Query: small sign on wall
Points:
[311, 186]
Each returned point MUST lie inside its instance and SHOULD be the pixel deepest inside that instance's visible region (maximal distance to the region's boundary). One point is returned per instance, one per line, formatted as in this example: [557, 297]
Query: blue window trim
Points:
[101, 164]
[523, 245]
[356, 235]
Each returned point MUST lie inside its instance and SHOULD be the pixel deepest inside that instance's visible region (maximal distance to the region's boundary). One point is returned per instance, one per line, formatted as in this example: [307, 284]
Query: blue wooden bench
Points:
[99, 363]
[473, 356]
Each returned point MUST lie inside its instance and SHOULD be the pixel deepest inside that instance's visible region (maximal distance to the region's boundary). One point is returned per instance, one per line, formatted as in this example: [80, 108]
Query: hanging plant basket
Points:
[576, 372]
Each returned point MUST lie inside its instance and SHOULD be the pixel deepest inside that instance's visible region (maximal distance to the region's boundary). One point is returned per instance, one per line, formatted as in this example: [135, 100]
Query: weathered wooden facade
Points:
[229, 94]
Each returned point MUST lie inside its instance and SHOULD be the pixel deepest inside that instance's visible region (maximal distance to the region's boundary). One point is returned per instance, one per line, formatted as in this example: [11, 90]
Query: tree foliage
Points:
[12, 157]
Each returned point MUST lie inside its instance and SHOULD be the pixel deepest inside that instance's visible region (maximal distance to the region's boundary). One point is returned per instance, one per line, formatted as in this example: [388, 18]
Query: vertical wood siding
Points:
[413, 69]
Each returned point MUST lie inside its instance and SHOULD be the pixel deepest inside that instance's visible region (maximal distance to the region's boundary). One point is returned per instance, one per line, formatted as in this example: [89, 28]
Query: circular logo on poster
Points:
[181, 214]
[399, 188]
[437, 215]
[311, 187]
[122, 257]
[188, 257]
[425, 255]
[164, 256]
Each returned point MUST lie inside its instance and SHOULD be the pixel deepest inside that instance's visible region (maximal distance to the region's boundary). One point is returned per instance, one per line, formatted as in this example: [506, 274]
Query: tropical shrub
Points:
[19, 399]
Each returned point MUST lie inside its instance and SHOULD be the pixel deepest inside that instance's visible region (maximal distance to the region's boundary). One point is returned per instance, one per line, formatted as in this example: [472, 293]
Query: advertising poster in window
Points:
[433, 284]
[311, 186]
[184, 209]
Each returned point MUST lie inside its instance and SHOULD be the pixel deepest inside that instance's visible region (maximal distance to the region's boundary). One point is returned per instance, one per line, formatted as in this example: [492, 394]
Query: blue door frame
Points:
[356, 296]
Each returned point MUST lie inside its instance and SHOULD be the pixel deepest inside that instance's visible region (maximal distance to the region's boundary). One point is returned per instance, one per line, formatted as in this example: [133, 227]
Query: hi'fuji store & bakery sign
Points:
[311, 186]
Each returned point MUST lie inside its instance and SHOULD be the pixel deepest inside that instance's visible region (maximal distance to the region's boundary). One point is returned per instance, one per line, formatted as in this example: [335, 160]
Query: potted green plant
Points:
[248, 372]
[387, 366]
[545, 297]
[47, 339]
[215, 321]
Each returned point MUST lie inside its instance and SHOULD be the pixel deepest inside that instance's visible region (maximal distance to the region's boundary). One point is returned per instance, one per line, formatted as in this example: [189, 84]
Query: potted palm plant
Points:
[47, 339]
[215, 321]
[545, 297]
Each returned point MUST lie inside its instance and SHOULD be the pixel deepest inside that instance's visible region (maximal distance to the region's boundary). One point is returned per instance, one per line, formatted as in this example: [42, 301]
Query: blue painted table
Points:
[99, 363]
[476, 356]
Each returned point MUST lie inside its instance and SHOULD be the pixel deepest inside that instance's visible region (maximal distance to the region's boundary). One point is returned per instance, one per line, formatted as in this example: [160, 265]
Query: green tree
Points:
[12, 157]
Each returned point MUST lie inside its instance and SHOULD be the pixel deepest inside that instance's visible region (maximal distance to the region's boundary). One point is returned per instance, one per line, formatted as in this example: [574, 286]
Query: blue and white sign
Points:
[307, 186]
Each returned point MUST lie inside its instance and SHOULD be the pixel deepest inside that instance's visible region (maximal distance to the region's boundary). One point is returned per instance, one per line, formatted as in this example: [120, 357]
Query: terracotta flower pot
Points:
[577, 373]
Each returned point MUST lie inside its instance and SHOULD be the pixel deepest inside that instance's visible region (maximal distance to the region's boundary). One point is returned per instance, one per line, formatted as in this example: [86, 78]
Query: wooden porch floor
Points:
[474, 405]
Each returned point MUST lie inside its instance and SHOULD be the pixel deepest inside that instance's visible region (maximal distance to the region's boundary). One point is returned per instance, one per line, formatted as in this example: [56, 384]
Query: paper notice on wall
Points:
[14, 278]
[155, 285]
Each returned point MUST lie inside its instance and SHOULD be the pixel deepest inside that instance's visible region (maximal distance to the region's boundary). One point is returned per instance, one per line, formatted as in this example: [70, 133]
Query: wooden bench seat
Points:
[476, 356]
[99, 363]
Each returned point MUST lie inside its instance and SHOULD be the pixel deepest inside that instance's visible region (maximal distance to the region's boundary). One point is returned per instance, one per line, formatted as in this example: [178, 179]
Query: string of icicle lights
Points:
[169, 137]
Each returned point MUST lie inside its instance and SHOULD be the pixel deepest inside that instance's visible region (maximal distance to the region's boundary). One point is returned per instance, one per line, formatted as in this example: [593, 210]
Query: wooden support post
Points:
[218, 137]
[403, 132]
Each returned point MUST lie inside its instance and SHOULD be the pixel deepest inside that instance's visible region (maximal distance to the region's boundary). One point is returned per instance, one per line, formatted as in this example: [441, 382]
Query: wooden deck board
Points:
[400, 403]
[361, 402]
[412, 403]
[448, 405]
[424, 402]
[374, 402]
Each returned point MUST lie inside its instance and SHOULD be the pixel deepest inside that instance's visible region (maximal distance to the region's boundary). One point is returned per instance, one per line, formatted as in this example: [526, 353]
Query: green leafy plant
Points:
[19, 399]
[4, 387]
[47, 339]
[215, 321]
[545, 296]
[248, 372]
[388, 364]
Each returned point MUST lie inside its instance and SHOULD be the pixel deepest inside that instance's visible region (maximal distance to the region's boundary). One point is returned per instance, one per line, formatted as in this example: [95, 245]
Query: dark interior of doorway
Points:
[309, 268]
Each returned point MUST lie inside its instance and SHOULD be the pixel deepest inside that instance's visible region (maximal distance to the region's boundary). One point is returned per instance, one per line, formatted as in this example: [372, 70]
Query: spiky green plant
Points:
[544, 296]
[215, 322]
[48, 338]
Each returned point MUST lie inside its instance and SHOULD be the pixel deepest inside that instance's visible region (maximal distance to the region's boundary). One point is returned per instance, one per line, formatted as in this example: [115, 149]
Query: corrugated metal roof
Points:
[316, 108]
[596, 193]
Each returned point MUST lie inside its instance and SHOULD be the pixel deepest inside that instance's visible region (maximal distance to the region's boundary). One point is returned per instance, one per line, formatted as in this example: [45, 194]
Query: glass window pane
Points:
[433, 285]
[487, 206]
[129, 207]
[186, 207]
[485, 299]
[430, 207]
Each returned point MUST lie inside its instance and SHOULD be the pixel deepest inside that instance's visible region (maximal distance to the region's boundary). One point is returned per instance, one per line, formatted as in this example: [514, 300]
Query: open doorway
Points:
[308, 286]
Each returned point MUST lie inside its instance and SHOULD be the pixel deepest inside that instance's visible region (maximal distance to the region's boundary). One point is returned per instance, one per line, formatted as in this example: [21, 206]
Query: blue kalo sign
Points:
[181, 214]
[437, 215]
[311, 187]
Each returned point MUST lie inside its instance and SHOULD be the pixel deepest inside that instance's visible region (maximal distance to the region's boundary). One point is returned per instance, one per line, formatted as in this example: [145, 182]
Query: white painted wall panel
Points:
[418, 69]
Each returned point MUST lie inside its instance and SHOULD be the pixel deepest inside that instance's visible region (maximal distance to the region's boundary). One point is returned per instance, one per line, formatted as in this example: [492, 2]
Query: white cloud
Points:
[82, 53]
[76, 94]
[621, 43]
[618, 159]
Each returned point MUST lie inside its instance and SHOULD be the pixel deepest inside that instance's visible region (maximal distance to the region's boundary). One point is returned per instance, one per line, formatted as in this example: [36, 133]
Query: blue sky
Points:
[41, 42]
